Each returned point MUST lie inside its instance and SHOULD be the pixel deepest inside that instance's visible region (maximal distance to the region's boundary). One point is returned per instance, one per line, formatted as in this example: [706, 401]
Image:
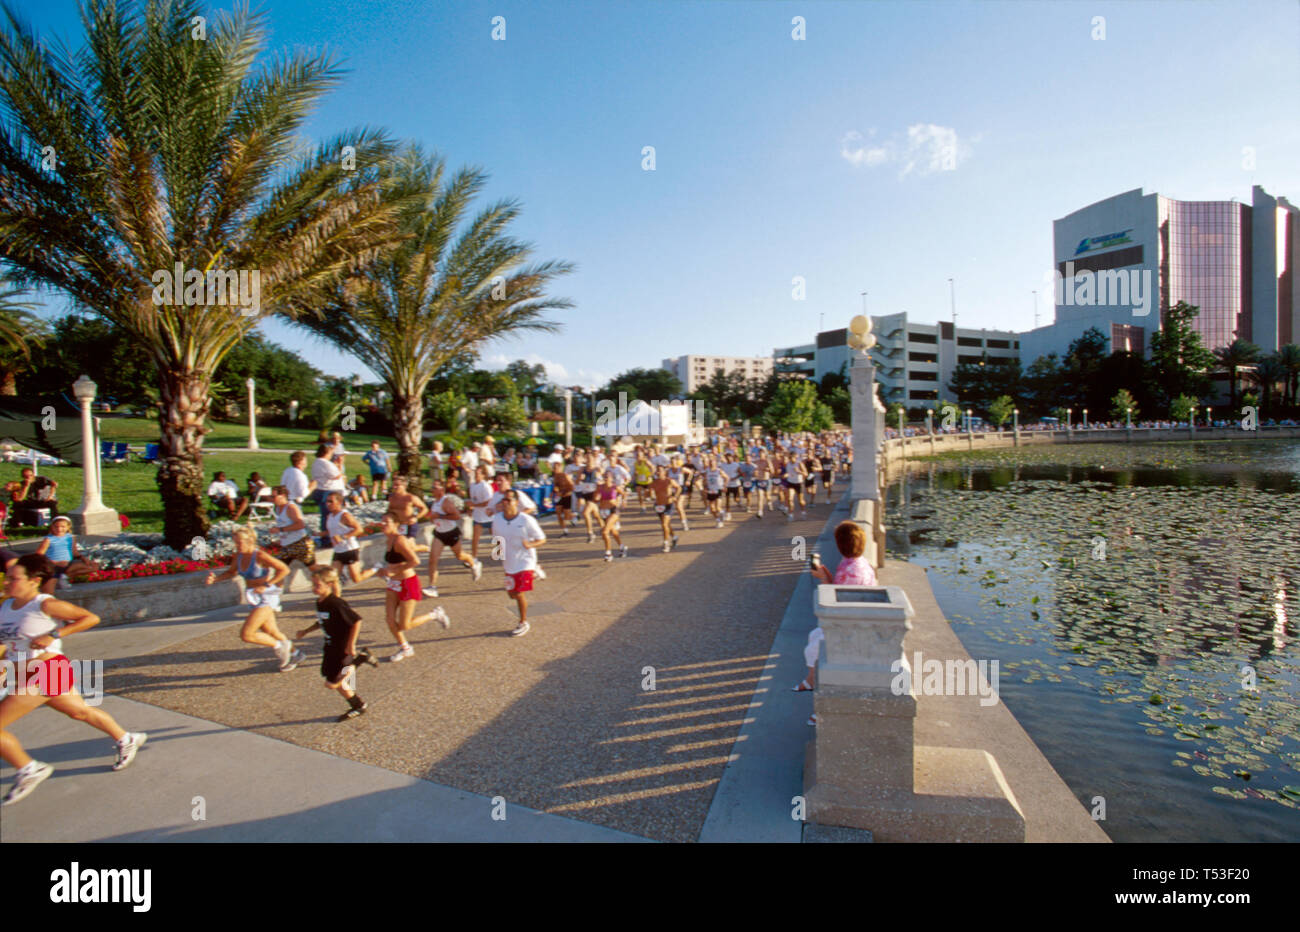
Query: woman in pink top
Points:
[854, 570]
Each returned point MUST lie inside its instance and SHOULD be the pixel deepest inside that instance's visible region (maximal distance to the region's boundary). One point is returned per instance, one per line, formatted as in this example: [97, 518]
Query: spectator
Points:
[61, 549]
[377, 460]
[225, 495]
[295, 481]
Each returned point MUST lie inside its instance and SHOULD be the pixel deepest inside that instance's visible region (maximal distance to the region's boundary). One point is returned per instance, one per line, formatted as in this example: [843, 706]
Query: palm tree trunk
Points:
[182, 411]
[408, 426]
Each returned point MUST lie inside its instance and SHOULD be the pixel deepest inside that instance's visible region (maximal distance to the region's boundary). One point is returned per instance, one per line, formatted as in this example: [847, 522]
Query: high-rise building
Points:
[1124, 261]
[694, 371]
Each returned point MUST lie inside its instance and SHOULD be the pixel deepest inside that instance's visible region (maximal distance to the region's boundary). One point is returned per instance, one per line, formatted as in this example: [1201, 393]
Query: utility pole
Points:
[952, 294]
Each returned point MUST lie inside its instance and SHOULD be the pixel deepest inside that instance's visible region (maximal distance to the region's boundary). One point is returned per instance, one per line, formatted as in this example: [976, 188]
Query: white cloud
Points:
[924, 149]
[556, 372]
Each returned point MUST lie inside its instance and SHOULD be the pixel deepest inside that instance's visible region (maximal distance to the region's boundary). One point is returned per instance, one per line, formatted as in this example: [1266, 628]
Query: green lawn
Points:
[139, 431]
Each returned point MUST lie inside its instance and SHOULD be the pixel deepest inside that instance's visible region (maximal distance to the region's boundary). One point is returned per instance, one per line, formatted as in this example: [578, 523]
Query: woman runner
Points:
[262, 574]
[32, 627]
[608, 498]
[340, 624]
[446, 533]
[343, 530]
[684, 476]
[295, 542]
[403, 588]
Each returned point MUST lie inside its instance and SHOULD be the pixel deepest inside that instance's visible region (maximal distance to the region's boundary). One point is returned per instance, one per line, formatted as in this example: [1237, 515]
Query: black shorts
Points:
[333, 663]
[826, 476]
[448, 538]
[347, 557]
[378, 476]
[712, 496]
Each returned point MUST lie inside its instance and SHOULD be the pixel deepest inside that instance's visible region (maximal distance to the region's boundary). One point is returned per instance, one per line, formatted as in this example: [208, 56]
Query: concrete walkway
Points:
[559, 724]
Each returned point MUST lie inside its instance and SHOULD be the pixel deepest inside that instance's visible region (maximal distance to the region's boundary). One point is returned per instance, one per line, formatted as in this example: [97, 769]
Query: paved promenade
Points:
[557, 725]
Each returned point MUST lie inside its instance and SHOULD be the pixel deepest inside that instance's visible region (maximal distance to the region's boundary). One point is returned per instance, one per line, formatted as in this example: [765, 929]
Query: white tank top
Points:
[446, 525]
[336, 528]
[19, 625]
[282, 520]
[792, 473]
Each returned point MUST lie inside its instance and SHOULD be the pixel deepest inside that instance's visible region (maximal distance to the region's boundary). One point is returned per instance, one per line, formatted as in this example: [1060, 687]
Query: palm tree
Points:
[21, 331]
[1289, 356]
[1236, 354]
[437, 295]
[150, 147]
[1268, 372]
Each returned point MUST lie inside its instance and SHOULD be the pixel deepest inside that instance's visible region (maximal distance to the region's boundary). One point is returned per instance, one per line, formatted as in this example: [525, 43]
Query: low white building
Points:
[694, 371]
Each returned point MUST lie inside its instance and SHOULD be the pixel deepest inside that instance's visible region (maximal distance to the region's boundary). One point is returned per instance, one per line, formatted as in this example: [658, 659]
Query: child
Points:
[340, 625]
[357, 491]
[255, 485]
[60, 547]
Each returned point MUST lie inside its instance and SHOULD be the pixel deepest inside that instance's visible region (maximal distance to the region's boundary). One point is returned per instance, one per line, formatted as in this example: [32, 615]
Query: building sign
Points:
[1103, 242]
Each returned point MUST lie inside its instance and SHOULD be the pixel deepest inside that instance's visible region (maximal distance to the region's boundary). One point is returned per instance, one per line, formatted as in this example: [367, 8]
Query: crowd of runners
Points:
[591, 489]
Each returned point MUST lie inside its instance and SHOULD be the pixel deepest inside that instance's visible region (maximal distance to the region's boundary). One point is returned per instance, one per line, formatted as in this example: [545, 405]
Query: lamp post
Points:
[1209, 418]
[91, 516]
[252, 416]
[1069, 412]
[568, 418]
[1128, 418]
[1015, 425]
[1085, 418]
[293, 412]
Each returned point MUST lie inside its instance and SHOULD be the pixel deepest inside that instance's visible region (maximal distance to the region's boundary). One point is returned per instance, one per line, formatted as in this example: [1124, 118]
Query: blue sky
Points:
[897, 145]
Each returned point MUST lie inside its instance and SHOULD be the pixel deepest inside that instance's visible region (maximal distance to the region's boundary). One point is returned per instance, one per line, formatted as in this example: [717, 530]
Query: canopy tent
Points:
[24, 423]
[661, 422]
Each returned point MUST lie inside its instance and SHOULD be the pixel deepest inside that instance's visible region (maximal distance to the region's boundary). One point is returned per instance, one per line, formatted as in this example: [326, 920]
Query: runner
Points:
[762, 478]
[343, 530]
[377, 460]
[684, 476]
[446, 514]
[399, 569]
[340, 625]
[665, 492]
[643, 473]
[562, 494]
[827, 458]
[262, 574]
[608, 497]
[480, 496]
[32, 627]
[794, 476]
[731, 469]
[715, 480]
[747, 472]
[585, 498]
[410, 510]
[291, 527]
[812, 469]
[520, 536]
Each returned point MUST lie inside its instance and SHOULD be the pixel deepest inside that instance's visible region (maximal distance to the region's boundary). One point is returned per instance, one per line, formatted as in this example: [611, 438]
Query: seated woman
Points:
[225, 496]
[255, 486]
[854, 570]
[61, 549]
[357, 494]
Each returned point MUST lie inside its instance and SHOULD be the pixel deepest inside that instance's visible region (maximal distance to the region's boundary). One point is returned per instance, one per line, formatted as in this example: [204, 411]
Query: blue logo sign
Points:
[1102, 242]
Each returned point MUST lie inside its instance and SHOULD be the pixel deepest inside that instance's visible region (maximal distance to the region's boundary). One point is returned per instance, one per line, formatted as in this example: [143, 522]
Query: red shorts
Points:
[519, 582]
[51, 677]
[408, 589]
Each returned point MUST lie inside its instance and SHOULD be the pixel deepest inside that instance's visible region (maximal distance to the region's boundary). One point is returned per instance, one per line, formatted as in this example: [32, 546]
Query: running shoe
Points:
[430, 591]
[803, 514]
[352, 713]
[726, 516]
[477, 570]
[622, 551]
[364, 656]
[27, 782]
[609, 557]
[126, 749]
[520, 630]
[673, 542]
[292, 663]
[591, 538]
[282, 650]
[402, 654]
[564, 532]
[686, 525]
[64, 583]
[440, 616]
[541, 573]
[719, 523]
[667, 546]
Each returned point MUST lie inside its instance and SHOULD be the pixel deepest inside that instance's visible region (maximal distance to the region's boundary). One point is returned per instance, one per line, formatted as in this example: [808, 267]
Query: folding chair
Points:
[263, 504]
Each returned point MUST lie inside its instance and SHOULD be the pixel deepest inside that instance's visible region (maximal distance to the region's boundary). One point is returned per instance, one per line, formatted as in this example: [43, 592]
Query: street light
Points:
[970, 425]
[1015, 420]
[1128, 418]
[252, 416]
[1085, 418]
[91, 516]
[1209, 418]
[1068, 413]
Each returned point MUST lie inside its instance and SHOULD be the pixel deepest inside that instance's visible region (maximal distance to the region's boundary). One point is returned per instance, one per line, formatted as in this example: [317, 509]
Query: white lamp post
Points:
[568, 418]
[252, 417]
[91, 516]
[1085, 418]
[1015, 425]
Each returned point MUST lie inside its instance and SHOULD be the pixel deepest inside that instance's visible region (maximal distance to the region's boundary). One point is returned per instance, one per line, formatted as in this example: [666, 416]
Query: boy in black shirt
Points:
[340, 625]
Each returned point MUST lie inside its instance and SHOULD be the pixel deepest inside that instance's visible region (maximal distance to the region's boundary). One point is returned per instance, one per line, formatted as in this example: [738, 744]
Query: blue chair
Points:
[121, 453]
[106, 450]
[150, 453]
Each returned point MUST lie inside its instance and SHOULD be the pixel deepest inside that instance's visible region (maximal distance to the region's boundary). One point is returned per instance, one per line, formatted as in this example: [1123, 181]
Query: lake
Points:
[1141, 602]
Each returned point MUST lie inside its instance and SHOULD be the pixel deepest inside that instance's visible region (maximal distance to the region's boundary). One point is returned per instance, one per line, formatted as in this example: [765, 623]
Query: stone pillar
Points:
[91, 516]
[868, 429]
